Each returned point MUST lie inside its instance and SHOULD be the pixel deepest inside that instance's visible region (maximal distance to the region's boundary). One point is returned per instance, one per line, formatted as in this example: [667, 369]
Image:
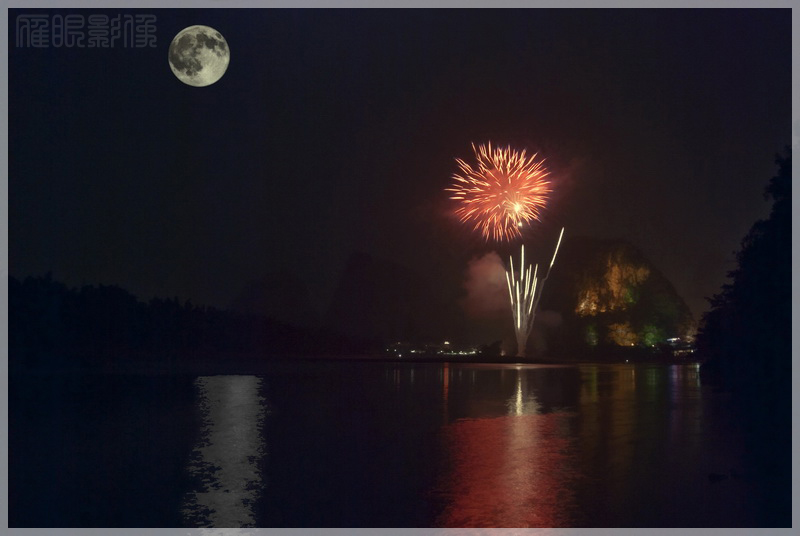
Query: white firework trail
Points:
[525, 290]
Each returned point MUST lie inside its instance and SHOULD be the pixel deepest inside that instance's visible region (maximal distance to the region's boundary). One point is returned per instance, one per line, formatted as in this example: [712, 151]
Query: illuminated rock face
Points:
[615, 290]
[609, 294]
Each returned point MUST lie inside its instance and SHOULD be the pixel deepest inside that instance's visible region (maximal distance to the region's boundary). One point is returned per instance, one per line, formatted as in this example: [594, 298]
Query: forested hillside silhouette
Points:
[747, 334]
[746, 338]
[51, 324]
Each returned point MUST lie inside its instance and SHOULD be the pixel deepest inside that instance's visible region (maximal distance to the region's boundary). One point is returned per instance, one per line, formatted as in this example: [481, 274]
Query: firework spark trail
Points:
[506, 189]
[524, 306]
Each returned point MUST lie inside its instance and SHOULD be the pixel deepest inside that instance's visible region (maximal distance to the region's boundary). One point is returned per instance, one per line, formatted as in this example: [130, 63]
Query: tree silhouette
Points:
[50, 324]
[746, 335]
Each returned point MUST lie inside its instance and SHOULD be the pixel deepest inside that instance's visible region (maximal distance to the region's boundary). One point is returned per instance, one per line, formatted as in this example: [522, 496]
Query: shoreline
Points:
[263, 364]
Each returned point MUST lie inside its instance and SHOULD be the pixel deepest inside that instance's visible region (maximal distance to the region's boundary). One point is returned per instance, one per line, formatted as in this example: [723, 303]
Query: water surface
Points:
[388, 444]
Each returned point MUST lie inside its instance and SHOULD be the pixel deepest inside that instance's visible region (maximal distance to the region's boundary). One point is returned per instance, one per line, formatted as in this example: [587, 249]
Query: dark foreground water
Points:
[394, 445]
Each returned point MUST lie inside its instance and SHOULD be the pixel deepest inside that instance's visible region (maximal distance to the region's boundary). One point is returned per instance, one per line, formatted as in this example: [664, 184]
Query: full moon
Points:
[199, 55]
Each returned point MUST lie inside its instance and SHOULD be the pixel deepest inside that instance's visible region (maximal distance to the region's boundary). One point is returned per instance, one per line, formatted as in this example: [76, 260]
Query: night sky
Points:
[334, 132]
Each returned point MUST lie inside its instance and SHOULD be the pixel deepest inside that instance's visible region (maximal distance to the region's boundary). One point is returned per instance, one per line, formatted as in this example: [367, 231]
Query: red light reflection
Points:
[510, 471]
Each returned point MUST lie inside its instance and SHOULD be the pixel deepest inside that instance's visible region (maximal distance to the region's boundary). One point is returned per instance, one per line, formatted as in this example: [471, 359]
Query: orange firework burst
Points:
[506, 190]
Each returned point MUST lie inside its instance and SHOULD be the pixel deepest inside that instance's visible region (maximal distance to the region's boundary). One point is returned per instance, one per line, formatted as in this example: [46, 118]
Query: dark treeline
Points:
[746, 338]
[747, 334]
[50, 323]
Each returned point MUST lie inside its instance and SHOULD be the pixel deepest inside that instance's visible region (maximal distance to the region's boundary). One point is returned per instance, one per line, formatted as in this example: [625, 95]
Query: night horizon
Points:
[266, 171]
[286, 267]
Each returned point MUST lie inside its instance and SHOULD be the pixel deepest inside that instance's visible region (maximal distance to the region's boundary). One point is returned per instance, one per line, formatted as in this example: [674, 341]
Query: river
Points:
[370, 444]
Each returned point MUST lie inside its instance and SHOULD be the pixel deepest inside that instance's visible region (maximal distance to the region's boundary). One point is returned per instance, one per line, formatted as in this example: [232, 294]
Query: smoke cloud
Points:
[487, 290]
[550, 319]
